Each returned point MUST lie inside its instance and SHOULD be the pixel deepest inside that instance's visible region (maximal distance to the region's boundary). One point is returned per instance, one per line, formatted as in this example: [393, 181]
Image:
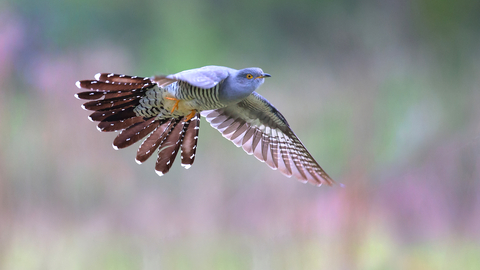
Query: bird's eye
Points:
[249, 76]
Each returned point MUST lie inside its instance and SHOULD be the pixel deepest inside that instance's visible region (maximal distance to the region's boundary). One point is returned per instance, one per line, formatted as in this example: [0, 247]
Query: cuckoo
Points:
[166, 110]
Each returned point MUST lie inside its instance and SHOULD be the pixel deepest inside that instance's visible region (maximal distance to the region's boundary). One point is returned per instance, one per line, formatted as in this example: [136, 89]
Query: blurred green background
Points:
[385, 95]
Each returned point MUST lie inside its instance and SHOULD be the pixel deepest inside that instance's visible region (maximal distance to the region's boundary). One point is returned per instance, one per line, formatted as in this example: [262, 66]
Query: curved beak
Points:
[264, 75]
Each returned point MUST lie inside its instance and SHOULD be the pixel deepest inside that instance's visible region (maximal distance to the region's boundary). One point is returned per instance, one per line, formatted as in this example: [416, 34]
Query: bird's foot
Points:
[190, 116]
[175, 106]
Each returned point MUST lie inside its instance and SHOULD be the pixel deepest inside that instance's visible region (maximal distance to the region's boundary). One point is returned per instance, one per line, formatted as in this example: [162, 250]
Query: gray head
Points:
[241, 83]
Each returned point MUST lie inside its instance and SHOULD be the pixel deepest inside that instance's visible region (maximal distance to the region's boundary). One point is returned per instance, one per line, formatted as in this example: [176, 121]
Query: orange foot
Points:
[175, 106]
[190, 116]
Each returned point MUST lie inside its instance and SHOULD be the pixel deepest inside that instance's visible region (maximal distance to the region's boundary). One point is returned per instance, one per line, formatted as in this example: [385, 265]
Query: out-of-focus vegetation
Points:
[385, 94]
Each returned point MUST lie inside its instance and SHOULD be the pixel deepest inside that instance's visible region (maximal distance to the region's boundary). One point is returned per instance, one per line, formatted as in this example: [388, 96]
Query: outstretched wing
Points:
[262, 131]
[204, 77]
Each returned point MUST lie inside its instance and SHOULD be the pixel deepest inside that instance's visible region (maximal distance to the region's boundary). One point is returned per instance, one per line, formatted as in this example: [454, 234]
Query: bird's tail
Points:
[113, 98]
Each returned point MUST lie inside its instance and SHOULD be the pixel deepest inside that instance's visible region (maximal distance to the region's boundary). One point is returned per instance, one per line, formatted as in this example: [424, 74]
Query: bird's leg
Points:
[175, 106]
[190, 116]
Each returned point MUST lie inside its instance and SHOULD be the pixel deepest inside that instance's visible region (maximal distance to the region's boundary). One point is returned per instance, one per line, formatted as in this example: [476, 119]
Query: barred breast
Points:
[155, 102]
[198, 98]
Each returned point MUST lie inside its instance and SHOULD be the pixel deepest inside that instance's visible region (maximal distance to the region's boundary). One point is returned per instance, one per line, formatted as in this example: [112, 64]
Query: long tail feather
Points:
[110, 104]
[120, 78]
[106, 126]
[111, 86]
[169, 149]
[90, 95]
[121, 114]
[189, 144]
[123, 87]
[134, 133]
[154, 140]
[102, 115]
[113, 115]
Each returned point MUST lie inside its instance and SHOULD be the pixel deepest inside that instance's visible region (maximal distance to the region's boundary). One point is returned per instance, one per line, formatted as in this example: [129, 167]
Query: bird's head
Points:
[241, 83]
[250, 77]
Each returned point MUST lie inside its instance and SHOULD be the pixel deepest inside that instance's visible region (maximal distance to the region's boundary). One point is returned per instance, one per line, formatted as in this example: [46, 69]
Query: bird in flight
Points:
[166, 110]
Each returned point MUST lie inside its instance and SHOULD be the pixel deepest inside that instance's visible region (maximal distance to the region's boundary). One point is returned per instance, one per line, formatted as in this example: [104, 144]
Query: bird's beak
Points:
[264, 75]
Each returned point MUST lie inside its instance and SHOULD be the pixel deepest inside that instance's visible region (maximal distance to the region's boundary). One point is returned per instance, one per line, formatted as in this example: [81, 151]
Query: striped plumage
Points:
[165, 110]
[262, 131]
[122, 104]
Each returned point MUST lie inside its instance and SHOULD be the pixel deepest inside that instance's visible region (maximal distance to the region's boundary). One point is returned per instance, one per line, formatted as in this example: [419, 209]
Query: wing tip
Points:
[327, 180]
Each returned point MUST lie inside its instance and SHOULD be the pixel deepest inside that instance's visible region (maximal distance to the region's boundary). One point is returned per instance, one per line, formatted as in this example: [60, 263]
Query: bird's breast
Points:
[177, 100]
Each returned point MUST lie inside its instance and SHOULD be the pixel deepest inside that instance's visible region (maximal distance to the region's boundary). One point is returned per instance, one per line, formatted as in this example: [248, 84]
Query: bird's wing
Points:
[204, 77]
[262, 131]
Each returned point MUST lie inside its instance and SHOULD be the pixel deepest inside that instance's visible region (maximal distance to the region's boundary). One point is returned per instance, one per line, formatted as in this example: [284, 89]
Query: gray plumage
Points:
[166, 110]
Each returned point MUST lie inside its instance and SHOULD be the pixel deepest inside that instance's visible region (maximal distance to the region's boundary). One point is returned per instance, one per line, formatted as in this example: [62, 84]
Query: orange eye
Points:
[249, 76]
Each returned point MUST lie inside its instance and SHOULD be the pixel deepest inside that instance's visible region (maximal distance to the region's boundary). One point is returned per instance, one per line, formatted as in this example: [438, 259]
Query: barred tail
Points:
[181, 135]
[189, 144]
[113, 98]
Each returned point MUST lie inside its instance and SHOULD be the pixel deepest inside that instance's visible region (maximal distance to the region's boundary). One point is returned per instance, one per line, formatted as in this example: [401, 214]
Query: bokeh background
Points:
[384, 93]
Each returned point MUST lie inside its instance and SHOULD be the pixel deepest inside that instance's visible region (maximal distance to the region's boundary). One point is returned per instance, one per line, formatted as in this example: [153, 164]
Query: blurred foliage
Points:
[384, 94]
